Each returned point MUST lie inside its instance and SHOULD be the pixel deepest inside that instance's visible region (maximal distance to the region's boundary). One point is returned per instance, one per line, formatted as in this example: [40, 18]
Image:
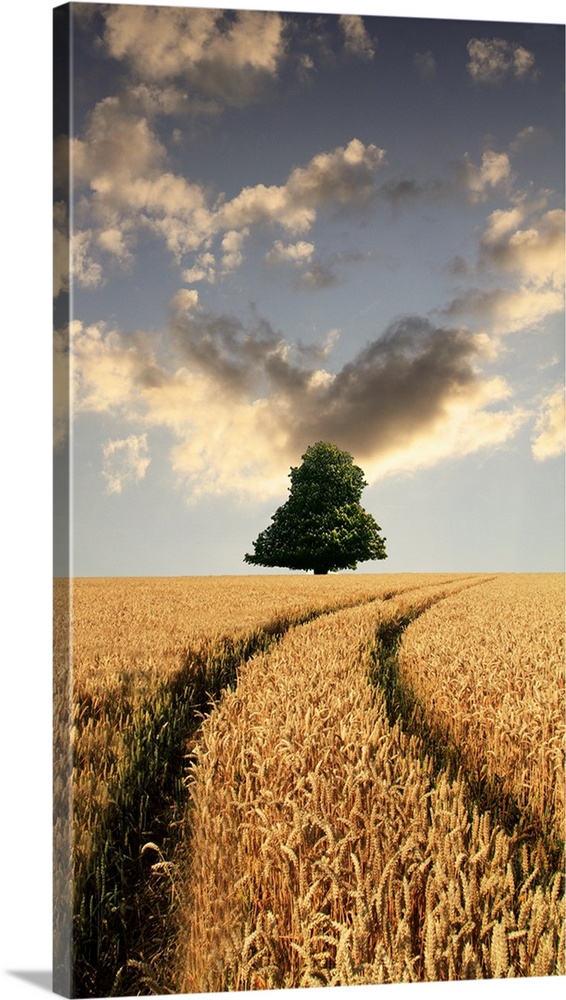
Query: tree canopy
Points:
[322, 526]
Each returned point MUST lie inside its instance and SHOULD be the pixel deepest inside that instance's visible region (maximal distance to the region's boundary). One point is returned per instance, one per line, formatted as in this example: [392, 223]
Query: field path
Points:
[148, 659]
[325, 851]
[304, 747]
[498, 655]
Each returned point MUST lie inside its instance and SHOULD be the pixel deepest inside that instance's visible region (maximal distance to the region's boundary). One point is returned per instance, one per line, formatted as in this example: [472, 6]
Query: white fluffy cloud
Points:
[118, 155]
[527, 243]
[356, 39]
[232, 255]
[295, 253]
[343, 177]
[106, 366]
[115, 242]
[524, 243]
[548, 436]
[84, 267]
[121, 165]
[493, 173]
[125, 461]
[508, 310]
[491, 60]
[185, 301]
[224, 54]
[204, 269]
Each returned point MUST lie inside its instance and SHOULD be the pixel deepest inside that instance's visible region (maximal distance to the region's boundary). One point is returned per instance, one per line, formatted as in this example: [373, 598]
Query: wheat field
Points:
[302, 781]
[498, 653]
[138, 662]
[325, 851]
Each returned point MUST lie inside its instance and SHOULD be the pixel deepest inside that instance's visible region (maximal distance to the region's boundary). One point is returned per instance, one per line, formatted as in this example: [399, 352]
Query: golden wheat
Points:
[324, 849]
[488, 666]
[137, 662]
[125, 629]
[324, 852]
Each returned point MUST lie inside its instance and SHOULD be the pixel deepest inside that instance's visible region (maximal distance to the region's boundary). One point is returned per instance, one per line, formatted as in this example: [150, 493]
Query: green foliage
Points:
[322, 525]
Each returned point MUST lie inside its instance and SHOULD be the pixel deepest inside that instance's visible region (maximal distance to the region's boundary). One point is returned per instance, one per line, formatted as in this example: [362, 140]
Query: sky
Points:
[293, 227]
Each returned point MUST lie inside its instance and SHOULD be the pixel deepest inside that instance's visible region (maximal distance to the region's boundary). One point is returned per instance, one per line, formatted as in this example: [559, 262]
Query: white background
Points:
[25, 353]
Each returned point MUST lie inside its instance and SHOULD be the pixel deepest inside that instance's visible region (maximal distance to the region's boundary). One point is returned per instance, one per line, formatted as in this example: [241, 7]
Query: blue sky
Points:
[290, 228]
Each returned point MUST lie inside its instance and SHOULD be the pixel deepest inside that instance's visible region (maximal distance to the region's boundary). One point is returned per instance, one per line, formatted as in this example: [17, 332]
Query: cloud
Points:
[478, 182]
[548, 435]
[458, 266]
[151, 100]
[356, 39]
[224, 54]
[295, 253]
[61, 164]
[396, 192]
[493, 173]
[425, 64]
[232, 256]
[84, 268]
[492, 60]
[530, 137]
[327, 273]
[241, 402]
[204, 269]
[125, 461]
[507, 310]
[305, 67]
[119, 154]
[61, 392]
[61, 249]
[524, 243]
[315, 275]
[534, 252]
[318, 276]
[547, 364]
[110, 369]
[343, 177]
[120, 165]
[405, 395]
[184, 301]
[235, 358]
[114, 241]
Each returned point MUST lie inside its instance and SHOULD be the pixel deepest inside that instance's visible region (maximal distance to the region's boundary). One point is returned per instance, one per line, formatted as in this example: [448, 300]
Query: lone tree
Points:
[322, 525]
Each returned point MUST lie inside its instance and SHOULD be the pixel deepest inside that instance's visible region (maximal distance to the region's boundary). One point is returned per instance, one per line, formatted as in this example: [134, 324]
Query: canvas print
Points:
[308, 500]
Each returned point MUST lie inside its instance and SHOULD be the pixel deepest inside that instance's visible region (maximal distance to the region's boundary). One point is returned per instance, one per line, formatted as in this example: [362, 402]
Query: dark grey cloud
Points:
[237, 359]
[393, 390]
